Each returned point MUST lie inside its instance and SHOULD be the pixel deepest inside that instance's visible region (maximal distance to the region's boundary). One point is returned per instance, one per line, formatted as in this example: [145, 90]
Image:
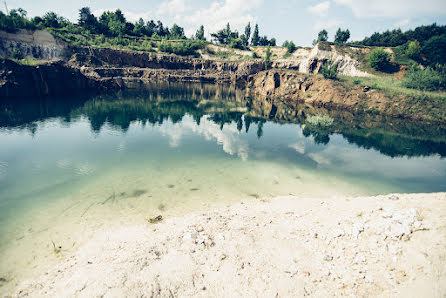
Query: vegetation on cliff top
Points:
[423, 48]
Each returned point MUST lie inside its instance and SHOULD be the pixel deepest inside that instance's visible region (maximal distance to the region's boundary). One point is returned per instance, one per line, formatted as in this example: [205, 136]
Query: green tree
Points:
[255, 36]
[322, 36]
[199, 35]
[87, 19]
[435, 50]
[413, 50]
[116, 27]
[247, 35]
[177, 32]
[379, 59]
[51, 20]
[342, 36]
[290, 46]
[140, 28]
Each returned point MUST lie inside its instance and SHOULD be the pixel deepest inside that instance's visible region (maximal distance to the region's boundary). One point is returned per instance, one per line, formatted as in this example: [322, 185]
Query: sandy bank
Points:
[374, 246]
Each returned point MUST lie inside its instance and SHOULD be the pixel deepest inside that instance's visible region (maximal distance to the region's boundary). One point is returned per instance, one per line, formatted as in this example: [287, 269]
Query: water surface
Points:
[72, 166]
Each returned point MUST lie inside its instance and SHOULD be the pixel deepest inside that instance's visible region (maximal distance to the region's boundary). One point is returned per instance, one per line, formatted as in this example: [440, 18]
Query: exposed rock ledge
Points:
[294, 88]
[386, 246]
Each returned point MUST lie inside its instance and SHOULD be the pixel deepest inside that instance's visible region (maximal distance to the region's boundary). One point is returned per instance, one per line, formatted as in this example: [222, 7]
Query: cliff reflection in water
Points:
[224, 105]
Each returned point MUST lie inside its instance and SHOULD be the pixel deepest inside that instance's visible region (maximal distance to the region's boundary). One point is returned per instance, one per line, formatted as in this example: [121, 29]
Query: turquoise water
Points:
[70, 167]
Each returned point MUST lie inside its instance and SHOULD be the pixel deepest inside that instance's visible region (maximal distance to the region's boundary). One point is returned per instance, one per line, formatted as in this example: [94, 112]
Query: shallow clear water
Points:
[72, 166]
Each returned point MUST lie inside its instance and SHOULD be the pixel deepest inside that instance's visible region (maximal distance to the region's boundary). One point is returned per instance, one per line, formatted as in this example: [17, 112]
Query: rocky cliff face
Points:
[38, 44]
[131, 65]
[310, 61]
[300, 91]
[49, 79]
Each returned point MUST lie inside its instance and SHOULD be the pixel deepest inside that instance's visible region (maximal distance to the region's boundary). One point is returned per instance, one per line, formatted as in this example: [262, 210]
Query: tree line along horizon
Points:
[424, 45]
[114, 24]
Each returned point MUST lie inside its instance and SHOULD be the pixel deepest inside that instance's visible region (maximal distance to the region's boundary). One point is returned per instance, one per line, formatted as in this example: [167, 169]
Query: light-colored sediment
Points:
[391, 245]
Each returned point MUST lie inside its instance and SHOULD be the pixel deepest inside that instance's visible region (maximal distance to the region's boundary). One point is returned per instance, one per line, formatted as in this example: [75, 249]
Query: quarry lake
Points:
[71, 166]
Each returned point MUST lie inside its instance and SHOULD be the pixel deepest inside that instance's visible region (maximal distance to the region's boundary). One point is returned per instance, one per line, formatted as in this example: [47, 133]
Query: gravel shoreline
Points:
[392, 245]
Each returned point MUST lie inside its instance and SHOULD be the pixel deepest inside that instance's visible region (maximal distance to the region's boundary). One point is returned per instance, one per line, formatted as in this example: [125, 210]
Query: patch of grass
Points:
[392, 87]
[30, 61]
[425, 79]
[223, 54]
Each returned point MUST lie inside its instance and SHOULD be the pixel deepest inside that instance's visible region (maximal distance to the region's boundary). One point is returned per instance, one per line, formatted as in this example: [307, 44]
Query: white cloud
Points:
[218, 14]
[327, 24]
[402, 23]
[229, 138]
[214, 17]
[173, 7]
[130, 16]
[299, 147]
[395, 8]
[320, 9]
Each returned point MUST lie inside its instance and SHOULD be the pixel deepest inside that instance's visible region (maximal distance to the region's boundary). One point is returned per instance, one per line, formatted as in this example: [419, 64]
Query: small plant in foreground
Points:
[329, 71]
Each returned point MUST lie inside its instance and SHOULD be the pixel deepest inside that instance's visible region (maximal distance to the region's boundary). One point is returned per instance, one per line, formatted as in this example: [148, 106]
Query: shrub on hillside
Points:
[413, 50]
[427, 79]
[379, 59]
[185, 48]
[329, 71]
[17, 54]
[237, 43]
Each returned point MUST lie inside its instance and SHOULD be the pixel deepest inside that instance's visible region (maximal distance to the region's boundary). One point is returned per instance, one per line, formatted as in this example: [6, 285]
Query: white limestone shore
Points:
[385, 246]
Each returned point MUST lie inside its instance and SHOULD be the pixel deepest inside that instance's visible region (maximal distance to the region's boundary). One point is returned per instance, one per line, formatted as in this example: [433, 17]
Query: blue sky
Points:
[297, 20]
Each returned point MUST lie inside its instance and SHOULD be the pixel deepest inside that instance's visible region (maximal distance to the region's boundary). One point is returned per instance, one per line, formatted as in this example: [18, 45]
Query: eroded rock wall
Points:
[49, 79]
[38, 44]
[296, 89]
[310, 61]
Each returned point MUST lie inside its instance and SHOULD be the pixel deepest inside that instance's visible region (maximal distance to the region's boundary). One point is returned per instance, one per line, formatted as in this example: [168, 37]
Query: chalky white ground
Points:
[393, 245]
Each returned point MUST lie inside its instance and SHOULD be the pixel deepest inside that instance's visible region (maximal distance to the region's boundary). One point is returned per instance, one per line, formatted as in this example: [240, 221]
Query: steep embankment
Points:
[38, 44]
[294, 88]
[131, 66]
[49, 79]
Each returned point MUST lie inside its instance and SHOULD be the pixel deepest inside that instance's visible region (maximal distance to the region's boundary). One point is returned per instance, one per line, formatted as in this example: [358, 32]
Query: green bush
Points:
[413, 50]
[185, 48]
[17, 54]
[427, 79]
[379, 59]
[254, 55]
[329, 71]
[237, 43]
